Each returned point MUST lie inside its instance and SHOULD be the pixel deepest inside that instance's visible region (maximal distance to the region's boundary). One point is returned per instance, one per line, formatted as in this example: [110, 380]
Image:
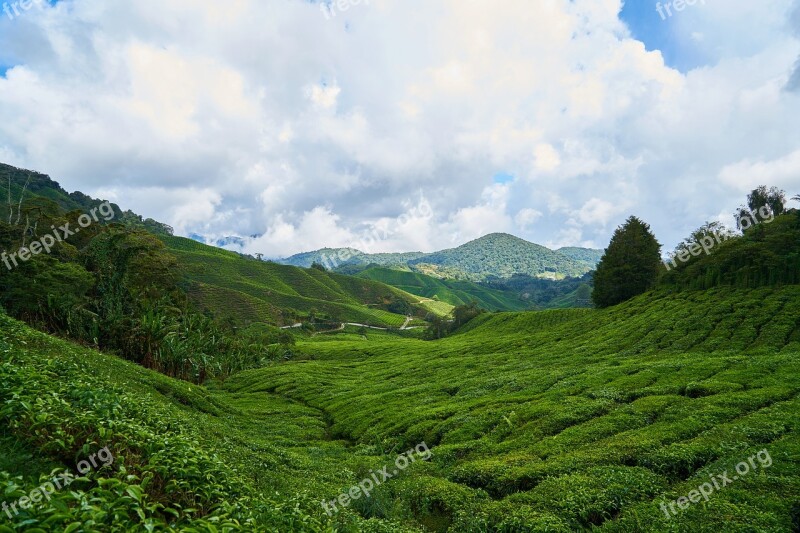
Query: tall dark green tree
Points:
[630, 265]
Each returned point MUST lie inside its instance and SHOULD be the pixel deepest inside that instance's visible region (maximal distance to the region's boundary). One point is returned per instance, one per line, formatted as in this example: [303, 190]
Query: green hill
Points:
[37, 187]
[586, 257]
[556, 420]
[453, 292]
[564, 420]
[242, 288]
[498, 255]
[228, 284]
[495, 256]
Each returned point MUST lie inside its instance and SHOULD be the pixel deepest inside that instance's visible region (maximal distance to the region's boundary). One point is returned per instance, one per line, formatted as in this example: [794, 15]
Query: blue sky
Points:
[657, 33]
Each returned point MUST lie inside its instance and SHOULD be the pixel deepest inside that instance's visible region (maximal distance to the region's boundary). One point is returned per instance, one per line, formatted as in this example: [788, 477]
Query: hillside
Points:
[557, 420]
[39, 187]
[495, 256]
[587, 257]
[499, 256]
[569, 419]
[248, 290]
[183, 457]
[453, 292]
[227, 284]
[562, 420]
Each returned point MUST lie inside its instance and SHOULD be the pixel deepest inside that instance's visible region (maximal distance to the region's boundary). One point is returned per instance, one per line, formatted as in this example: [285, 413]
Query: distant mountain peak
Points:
[496, 255]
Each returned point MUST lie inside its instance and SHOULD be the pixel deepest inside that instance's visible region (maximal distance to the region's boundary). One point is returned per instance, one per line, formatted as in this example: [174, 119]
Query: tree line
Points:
[115, 287]
[759, 254]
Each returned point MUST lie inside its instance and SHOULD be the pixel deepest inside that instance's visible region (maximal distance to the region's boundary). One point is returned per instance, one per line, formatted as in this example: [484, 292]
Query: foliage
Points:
[759, 201]
[131, 219]
[559, 420]
[547, 293]
[462, 315]
[630, 265]
[588, 257]
[715, 230]
[162, 477]
[767, 255]
[116, 288]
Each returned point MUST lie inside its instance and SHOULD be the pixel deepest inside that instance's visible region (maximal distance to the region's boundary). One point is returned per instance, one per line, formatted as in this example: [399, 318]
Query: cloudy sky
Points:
[437, 121]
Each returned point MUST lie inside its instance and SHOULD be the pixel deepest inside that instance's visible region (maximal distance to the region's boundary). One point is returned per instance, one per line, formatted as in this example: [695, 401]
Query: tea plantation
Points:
[542, 421]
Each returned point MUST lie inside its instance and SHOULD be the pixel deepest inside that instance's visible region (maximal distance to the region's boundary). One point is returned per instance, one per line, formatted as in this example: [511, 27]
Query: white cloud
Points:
[526, 217]
[266, 117]
[746, 175]
[598, 211]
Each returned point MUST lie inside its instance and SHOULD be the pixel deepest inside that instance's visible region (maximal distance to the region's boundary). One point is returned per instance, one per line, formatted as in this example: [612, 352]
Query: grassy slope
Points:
[258, 291]
[453, 292]
[565, 419]
[553, 420]
[233, 456]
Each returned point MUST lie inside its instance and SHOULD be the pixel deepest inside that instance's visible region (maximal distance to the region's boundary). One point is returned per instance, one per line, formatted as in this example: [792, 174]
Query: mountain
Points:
[498, 255]
[562, 420]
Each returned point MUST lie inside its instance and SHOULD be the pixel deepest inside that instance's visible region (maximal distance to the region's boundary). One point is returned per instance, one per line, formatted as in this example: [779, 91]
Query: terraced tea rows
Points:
[568, 419]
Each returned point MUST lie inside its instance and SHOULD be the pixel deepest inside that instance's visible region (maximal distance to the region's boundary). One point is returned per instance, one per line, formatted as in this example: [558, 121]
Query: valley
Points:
[237, 394]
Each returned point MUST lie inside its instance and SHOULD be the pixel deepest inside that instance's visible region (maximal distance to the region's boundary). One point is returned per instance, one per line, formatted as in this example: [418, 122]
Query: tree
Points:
[583, 296]
[716, 231]
[437, 329]
[630, 264]
[762, 204]
[464, 313]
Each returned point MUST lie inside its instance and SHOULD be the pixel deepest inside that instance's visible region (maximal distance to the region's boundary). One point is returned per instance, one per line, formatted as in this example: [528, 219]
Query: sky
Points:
[299, 125]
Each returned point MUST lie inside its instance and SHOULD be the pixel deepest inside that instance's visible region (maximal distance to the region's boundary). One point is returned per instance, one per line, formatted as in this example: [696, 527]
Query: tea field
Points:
[562, 420]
